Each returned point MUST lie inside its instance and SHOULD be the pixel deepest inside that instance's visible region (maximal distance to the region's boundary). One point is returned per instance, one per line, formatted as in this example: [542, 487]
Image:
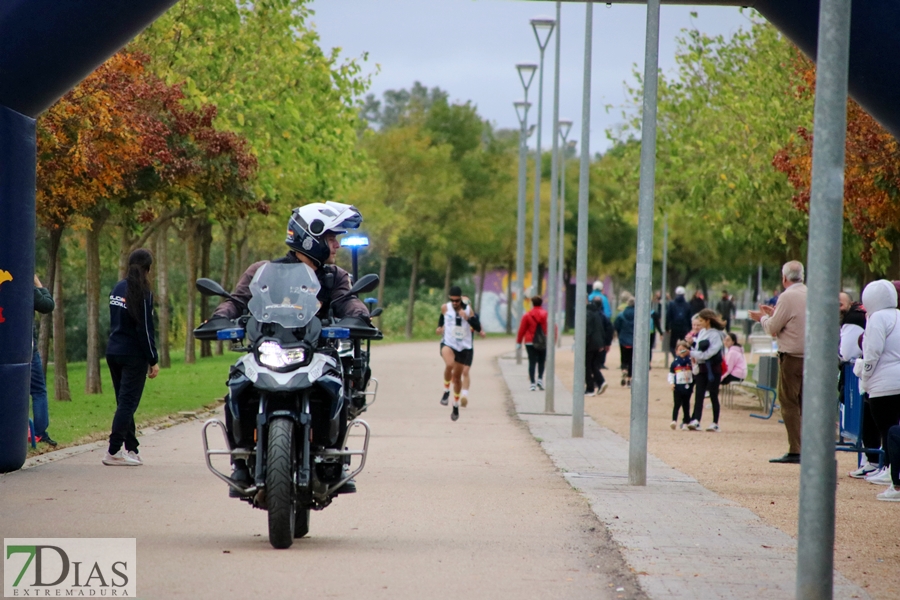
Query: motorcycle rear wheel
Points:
[281, 494]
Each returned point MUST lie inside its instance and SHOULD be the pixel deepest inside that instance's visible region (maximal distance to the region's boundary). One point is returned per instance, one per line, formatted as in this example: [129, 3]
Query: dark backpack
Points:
[539, 341]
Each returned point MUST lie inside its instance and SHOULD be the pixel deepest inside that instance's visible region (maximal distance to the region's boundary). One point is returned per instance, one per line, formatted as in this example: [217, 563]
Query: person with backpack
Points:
[678, 319]
[598, 338]
[625, 329]
[533, 332]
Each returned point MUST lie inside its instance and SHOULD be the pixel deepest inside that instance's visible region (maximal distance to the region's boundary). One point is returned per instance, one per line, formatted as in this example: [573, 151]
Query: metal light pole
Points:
[818, 470]
[522, 113]
[662, 295]
[564, 126]
[543, 29]
[581, 244]
[550, 370]
[637, 443]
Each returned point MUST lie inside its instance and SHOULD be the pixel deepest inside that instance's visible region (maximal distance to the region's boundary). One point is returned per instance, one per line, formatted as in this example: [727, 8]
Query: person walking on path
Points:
[735, 364]
[725, 307]
[678, 318]
[534, 319]
[625, 330]
[707, 349]
[879, 367]
[131, 355]
[787, 323]
[40, 409]
[681, 380]
[599, 335]
[597, 294]
[456, 325]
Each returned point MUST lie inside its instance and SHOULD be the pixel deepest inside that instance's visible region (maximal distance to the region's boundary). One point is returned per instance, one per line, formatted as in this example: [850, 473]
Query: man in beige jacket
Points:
[786, 322]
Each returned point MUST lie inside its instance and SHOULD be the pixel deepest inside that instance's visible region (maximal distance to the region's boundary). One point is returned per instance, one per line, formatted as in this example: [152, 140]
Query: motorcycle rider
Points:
[312, 232]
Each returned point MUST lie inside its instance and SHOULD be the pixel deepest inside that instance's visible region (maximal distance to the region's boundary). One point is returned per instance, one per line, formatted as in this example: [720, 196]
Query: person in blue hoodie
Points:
[131, 355]
[625, 330]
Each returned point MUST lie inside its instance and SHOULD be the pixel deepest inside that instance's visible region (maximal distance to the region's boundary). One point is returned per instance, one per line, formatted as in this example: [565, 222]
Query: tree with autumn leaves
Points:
[122, 147]
[871, 178]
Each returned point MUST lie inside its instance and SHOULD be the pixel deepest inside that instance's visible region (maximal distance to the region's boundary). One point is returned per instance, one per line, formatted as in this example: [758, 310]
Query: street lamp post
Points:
[553, 291]
[526, 76]
[543, 29]
[564, 127]
[522, 113]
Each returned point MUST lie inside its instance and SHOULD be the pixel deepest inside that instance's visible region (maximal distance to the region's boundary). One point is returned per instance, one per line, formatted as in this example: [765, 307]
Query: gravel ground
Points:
[734, 463]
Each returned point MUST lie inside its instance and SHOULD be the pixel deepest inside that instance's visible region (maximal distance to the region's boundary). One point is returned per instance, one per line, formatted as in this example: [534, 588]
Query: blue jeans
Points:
[39, 406]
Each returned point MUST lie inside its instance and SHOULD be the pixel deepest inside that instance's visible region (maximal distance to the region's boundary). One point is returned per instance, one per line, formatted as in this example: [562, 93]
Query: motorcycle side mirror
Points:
[208, 287]
[366, 283]
[376, 312]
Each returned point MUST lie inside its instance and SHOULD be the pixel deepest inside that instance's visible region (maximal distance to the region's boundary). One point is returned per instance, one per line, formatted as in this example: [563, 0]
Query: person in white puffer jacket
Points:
[879, 368]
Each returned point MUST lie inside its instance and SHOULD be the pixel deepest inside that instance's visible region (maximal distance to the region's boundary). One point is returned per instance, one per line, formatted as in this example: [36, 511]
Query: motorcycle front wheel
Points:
[281, 494]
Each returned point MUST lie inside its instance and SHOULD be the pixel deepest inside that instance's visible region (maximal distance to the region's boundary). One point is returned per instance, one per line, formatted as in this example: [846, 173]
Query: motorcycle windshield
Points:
[284, 294]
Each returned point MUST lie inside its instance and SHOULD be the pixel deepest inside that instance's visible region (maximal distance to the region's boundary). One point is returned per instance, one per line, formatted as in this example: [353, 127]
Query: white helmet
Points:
[309, 223]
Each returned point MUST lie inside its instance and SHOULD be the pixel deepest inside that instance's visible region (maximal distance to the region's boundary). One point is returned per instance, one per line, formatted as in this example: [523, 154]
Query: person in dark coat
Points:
[678, 319]
[44, 304]
[597, 340]
[131, 355]
[698, 302]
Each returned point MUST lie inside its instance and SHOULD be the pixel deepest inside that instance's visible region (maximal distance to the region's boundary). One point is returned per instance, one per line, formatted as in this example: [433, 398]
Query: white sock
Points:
[465, 393]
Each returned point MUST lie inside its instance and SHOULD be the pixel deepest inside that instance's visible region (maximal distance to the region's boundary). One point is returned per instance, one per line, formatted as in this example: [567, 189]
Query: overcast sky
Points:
[469, 48]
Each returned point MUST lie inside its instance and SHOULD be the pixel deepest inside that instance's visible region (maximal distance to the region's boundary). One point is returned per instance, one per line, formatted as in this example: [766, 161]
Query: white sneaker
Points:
[864, 470]
[684, 427]
[540, 384]
[533, 387]
[603, 387]
[120, 459]
[882, 477]
[713, 427]
[134, 456]
[892, 494]
[673, 424]
[694, 425]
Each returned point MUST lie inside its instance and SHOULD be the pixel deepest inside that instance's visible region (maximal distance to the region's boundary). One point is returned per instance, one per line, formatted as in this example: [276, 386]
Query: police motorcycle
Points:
[307, 376]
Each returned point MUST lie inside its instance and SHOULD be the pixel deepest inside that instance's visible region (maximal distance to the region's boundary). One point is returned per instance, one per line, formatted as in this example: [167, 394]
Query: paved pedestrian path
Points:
[682, 540]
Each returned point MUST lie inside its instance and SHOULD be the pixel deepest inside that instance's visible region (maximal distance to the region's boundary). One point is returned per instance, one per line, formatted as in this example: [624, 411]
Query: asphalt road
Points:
[445, 510]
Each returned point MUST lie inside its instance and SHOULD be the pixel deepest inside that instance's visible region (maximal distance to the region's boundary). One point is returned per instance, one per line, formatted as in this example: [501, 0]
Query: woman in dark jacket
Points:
[131, 355]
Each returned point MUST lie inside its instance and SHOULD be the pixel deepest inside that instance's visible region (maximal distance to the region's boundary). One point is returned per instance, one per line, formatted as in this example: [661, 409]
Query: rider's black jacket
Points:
[335, 284]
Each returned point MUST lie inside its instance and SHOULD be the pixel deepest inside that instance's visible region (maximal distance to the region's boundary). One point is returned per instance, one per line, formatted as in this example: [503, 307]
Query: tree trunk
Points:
[509, 298]
[126, 246]
[483, 268]
[205, 236]
[382, 275]
[60, 365]
[242, 252]
[447, 276]
[410, 314]
[47, 320]
[162, 295]
[226, 274]
[189, 234]
[92, 384]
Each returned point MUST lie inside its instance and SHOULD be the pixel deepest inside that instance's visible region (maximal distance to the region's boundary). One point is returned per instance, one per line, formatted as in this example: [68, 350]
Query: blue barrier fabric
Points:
[17, 222]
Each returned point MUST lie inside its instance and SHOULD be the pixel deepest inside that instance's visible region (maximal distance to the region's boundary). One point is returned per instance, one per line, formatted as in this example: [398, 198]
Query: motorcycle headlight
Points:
[272, 355]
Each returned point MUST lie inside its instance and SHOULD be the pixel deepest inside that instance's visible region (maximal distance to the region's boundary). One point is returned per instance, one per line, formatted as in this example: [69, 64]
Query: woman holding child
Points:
[707, 350]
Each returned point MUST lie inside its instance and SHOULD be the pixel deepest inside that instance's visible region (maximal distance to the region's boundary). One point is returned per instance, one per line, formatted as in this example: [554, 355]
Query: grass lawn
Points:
[181, 388]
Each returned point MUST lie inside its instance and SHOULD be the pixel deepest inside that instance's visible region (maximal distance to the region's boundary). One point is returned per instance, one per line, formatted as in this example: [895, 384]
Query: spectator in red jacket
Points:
[537, 352]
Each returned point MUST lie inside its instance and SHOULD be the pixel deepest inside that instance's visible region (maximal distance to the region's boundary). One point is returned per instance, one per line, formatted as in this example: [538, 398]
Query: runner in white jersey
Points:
[456, 325]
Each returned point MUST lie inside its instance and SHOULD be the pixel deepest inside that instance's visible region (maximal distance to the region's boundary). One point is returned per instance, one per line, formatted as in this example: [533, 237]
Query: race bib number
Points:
[684, 377]
[458, 333]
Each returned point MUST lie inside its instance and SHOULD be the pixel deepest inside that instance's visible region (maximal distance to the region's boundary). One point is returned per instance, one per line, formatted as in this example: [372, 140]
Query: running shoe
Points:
[455, 414]
[694, 425]
[864, 470]
[445, 399]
